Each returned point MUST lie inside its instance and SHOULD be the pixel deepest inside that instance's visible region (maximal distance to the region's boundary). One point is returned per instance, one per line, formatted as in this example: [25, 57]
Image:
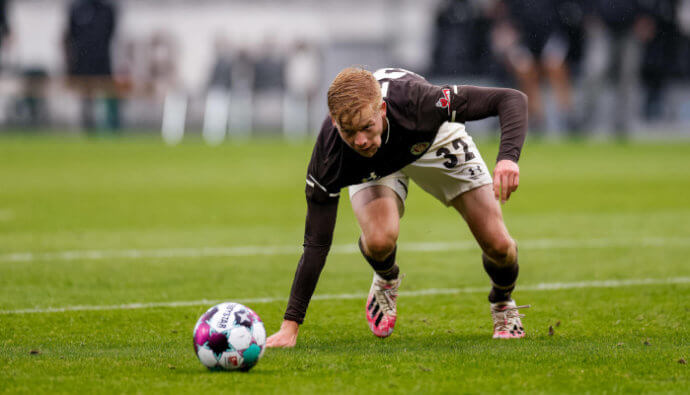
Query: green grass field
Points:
[111, 249]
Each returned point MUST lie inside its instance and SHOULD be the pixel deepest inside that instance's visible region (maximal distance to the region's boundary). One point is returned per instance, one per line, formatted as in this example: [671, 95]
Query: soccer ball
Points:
[229, 336]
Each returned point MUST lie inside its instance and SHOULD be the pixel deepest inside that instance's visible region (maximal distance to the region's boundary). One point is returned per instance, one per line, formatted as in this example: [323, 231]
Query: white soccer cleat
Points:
[507, 323]
[382, 308]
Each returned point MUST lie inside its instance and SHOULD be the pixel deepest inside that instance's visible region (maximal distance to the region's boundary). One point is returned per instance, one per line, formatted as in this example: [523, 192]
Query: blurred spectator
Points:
[571, 16]
[162, 58]
[31, 109]
[241, 105]
[269, 69]
[461, 40]
[536, 38]
[269, 87]
[163, 84]
[662, 36]
[90, 29]
[124, 67]
[4, 27]
[216, 112]
[221, 74]
[302, 77]
[683, 23]
[616, 30]
[242, 70]
[303, 69]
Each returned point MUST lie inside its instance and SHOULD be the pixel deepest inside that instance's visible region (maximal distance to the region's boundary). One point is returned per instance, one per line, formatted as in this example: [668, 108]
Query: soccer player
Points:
[383, 129]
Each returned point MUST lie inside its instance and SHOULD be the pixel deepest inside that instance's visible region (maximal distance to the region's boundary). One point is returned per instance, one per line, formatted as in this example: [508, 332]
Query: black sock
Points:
[503, 278]
[387, 268]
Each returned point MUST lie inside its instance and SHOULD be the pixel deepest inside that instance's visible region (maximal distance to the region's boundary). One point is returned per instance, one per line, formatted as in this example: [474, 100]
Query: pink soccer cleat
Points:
[507, 324]
[381, 305]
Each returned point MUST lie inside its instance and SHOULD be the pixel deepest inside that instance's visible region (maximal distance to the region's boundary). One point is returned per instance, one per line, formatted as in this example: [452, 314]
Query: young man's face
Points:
[364, 130]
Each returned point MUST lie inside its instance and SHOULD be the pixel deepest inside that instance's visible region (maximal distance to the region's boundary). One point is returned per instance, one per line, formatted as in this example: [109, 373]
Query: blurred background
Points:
[238, 69]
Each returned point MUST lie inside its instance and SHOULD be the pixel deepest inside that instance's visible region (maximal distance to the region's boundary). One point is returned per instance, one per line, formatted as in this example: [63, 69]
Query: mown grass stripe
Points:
[337, 249]
[421, 292]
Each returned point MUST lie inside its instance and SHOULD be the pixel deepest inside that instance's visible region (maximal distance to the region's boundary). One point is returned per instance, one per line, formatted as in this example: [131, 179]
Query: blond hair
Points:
[352, 89]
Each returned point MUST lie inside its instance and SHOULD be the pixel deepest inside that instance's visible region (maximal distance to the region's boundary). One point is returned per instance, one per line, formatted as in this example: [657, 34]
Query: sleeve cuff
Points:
[511, 157]
[290, 317]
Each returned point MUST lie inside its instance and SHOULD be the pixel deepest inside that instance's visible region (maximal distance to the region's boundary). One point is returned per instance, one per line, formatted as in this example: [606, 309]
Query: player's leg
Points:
[483, 215]
[454, 172]
[554, 63]
[378, 208]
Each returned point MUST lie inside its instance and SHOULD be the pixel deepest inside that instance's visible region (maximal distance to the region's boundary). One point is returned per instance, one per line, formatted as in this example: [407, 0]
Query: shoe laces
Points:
[507, 317]
[386, 293]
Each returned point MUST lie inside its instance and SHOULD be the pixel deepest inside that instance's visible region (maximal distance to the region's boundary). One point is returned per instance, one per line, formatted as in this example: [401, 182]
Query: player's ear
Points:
[335, 125]
[383, 108]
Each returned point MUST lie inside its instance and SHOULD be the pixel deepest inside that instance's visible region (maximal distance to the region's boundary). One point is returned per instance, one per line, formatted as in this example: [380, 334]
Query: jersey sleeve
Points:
[470, 103]
[318, 235]
[427, 106]
[322, 210]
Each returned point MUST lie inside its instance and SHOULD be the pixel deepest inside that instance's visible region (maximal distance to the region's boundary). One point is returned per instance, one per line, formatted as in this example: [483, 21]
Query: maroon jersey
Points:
[415, 109]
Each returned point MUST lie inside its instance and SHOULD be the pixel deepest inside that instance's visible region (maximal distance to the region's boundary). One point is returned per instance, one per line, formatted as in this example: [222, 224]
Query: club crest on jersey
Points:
[444, 101]
[372, 177]
[419, 148]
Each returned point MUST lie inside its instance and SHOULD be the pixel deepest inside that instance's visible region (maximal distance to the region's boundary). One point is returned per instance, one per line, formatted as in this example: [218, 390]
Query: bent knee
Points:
[380, 245]
[503, 251]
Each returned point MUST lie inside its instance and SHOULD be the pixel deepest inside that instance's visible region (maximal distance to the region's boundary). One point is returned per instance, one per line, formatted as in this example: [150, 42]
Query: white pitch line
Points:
[421, 292]
[336, 249]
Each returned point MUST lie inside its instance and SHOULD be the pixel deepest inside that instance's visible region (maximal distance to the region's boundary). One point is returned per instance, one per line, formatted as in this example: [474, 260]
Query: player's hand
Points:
[285, 337]
[506, 179]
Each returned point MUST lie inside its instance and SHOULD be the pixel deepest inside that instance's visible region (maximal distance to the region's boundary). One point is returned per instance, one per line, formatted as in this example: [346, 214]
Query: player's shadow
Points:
[260, 370]
[398, 341]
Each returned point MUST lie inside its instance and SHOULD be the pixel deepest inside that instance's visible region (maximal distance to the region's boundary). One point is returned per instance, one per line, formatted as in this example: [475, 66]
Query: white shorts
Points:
[451, 167]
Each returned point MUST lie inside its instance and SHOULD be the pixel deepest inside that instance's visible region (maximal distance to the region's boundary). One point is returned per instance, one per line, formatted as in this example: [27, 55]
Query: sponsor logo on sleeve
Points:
[444, 101]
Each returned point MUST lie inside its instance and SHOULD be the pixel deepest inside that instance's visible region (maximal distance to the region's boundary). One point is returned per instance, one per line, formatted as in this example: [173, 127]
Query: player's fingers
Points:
[504, 188]
[509, 186]
[497, 186]
[274, 342]
[513, 183]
